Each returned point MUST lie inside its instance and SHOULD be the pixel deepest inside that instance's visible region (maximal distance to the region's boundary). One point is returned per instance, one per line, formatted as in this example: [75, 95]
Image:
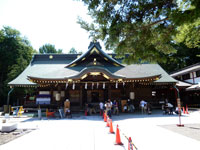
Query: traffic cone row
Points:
[111, 127]
[118, 139]
[109, 124]
[185, 110]
[105, 117]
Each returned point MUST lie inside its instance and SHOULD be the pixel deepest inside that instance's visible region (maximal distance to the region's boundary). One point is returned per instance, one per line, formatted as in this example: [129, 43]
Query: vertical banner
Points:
[92, 85]
[123, 84]
[86, 85]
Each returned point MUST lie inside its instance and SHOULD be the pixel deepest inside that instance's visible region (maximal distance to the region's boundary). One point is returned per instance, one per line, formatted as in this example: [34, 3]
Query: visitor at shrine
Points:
[115, 107]
[67, 111]
[143, 106]
[101, 108]
[108, 108]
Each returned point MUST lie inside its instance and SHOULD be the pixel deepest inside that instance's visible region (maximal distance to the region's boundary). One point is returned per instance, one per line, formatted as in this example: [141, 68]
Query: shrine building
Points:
[92, 77]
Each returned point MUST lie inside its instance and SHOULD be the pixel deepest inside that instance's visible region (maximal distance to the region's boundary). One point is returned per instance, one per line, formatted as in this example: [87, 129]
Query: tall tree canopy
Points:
[49, 48]
[184, 57]
[15, 54]
[146, 29]
[73, 51]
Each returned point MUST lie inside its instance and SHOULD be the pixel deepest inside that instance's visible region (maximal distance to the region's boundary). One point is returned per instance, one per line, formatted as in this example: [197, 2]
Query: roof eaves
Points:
[182, 71]
[90, 48]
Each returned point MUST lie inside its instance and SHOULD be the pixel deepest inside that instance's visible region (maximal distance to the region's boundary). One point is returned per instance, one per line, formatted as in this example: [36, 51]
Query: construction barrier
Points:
[50, 114]
[21, 110]
[17, 110]
[130, 146]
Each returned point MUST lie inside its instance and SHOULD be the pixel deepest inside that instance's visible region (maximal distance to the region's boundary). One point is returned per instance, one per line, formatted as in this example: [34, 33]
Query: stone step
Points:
[8, 127]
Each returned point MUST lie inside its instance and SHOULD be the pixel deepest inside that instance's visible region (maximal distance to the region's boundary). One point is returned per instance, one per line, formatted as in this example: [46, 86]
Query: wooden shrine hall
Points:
[92, 77]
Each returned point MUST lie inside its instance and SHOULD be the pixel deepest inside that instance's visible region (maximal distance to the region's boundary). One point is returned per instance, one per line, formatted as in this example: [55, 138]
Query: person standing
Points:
[108, 108]
[101, 108]
[67, 111]
[115, 109]
[170, 107]
[142, 106]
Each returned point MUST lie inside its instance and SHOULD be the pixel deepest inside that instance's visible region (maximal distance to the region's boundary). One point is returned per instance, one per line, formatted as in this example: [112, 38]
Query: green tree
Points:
[184, 57]
[145, 29]
[73, 51]
[49, 48]
[15, 55]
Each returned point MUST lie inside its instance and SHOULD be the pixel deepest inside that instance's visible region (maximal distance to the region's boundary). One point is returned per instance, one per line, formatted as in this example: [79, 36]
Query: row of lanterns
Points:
[93, 84]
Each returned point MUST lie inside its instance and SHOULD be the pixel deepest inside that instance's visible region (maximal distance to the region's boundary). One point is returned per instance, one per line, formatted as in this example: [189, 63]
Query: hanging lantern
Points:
[73, 86]
[97, 85]
[116, 85]
[104, 85]
[66, 85]
[86, 85]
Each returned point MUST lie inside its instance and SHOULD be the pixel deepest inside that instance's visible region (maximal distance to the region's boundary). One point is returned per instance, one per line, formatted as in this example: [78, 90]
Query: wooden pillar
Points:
[81, 95]
[131, 87]
[51, 94]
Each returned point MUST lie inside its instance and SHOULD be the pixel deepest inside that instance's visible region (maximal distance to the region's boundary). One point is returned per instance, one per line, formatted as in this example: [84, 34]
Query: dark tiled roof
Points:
[53, 66]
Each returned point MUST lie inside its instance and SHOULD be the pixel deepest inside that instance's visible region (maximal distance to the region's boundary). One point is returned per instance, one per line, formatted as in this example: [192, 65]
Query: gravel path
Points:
[189, 130]
[89, 132]
[7, 137]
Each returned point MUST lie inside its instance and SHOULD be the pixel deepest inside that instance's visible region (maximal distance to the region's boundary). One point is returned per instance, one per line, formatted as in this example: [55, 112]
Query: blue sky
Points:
[47, 21]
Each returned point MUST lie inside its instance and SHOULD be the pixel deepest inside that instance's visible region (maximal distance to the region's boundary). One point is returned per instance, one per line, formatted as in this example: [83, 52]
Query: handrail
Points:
[8, 98]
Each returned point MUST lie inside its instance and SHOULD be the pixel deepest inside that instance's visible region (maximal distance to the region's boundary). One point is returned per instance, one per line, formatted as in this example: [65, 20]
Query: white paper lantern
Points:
[132, 95]
[57, 96]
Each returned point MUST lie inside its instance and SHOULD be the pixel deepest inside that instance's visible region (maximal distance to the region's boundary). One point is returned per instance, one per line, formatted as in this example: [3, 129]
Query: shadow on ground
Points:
[97, 117]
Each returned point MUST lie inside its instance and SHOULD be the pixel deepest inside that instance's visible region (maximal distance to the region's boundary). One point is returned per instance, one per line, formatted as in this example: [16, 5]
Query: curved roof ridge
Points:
[103, 70]
[90, 48]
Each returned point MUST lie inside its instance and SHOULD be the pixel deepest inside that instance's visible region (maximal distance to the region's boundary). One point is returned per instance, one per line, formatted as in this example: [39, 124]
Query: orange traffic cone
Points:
[111, 127]
[183, 110]
[187, 110]
[108, 122]
[130, 146]
[105, 117]
[118, 139]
